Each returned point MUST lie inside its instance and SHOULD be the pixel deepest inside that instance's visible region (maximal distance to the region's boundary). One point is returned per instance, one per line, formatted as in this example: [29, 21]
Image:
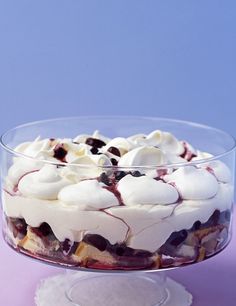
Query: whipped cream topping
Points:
[220, 170]
[193, 183]
[146, 191]
[144, 155]
[20, 167]
[32, 149]
[166, 141]
[88, 195]
[43, 184]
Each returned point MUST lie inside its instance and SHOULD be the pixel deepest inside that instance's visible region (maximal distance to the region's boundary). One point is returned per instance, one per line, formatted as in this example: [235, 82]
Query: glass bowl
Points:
[115, 217]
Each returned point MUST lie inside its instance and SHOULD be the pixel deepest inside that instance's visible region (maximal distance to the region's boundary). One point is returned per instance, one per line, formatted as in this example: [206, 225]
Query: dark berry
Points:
[114, 150]
[94, 150]
[97, 241]
[177, 238]
[214, 219]
[119, 175]
[143, 253]
[94, 142]
[45, 229]
[69, 247]
[114, 162]
[137, 173]
[196, 226]
[66, 246]
[104, 179]
[60, 152]
[119, 249]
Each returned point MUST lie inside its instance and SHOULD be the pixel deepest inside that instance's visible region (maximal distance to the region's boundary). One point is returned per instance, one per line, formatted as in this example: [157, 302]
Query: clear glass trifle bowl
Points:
[117, 193]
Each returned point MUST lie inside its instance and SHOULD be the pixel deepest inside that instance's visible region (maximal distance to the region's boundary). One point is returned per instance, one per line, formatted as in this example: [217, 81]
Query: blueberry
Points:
[60, 152]
[120, 174]
[97, 241]
[94, 142]
[68, 246]
[214, 219]
[177, 238]
[114, 150]
[94, 150]
[196, 226]
[104, 179]
[137, 173]
[45, 229]
[114, 161]
[119, 249]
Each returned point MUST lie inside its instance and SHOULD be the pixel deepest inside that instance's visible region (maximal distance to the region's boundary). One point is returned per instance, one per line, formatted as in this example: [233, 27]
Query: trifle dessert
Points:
[139, 202]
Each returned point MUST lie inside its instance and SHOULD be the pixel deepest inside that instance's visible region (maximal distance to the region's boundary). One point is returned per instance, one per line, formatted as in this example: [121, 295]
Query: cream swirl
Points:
[20, 167]
[163, 140]
[219, 169]
[88, 195]
[43, 184]
[144, 155]
[33, 148]
[166, 141]
[146, 191]
[193, 183]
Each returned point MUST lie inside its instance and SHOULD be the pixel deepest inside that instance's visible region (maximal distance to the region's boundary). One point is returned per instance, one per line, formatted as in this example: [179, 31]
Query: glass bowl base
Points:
[128, 289]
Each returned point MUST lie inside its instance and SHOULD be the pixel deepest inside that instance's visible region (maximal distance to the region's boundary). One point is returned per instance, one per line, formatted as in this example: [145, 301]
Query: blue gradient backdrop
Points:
[159, 58]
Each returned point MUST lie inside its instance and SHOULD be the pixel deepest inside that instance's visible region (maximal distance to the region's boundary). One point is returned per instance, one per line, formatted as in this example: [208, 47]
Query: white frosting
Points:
[137, 138]
[201, 155]
[220, 170]
[20, 167]
[193, 183]
[144, 155]
[166, 141]
[33, 148]
[42, 184]
[140, 217]
[88, 195]
[146, 190]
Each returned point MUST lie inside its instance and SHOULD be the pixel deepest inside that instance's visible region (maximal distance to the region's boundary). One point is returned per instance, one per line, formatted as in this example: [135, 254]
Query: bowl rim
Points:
[232, 148]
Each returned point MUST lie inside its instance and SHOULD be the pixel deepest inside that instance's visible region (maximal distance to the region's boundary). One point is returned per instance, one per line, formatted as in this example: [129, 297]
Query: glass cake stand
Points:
[122, 245]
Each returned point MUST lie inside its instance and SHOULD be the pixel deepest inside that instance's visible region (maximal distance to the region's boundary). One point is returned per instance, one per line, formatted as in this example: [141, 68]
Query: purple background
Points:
[159, 58]
[154, 57]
